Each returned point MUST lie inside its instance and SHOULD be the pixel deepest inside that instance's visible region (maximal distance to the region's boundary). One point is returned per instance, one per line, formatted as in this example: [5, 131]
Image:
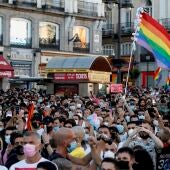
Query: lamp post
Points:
[147, 61]
[119, 41]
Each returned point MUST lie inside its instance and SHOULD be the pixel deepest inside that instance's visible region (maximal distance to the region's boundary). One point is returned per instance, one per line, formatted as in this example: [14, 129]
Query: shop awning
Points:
[83, 63]
[6, 69]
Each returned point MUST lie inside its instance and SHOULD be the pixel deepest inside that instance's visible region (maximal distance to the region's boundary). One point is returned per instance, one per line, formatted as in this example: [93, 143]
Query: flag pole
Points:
[127, 78]
[139, 10]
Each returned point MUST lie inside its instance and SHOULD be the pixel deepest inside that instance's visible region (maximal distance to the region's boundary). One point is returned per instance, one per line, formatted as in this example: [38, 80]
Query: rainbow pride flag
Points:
[157, 73]
[154, 37]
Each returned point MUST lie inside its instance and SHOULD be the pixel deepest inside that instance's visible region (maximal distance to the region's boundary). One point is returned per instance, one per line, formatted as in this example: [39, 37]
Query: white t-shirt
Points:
[3, 168]
[23, 165]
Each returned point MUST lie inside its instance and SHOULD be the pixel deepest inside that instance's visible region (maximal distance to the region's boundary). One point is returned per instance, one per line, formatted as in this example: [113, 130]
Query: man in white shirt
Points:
[32, 146]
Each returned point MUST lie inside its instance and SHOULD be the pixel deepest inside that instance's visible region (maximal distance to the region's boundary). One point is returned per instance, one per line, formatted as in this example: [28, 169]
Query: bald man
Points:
[63, 139]
[32, 147]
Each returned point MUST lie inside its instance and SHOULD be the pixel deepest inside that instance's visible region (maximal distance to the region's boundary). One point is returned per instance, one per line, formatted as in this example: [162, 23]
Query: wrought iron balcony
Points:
[87, 8]
[22, 43]
[55, 4]
[107, 30]
[124, 3]
[49, 43]
[127, 28]
[81, 47]
[1, 39]
[32, 3]
[166, 23]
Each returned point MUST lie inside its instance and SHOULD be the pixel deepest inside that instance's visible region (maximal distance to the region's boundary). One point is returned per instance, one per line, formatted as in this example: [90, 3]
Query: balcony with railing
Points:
[40, 4]
[87, 8]
[166, 23]
[108, 30]
[21, 43]
[53, 4]
[127, 3]
[81, 47]
[124, 3]
[1, 39]
[127, 28]
[49, 43]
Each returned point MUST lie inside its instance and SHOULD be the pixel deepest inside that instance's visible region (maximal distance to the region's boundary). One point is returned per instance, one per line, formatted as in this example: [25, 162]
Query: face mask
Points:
[143, 135]
[76, 122]
[35, 125]
[106, 123]
[130, 131]
[123, 164]
[79, 106]
[29, 150]
[56, 128]
[141, 117]
[49, 129]
[72, 108]
[127, 118]
[7, 139]
[39, 100]
[109, 154]
[155, 123]
[132, 107]
[120, 128]
[19, 150]
[65, 105]
[123, 137]
[73, 145]
[86, 137]
[1, 129]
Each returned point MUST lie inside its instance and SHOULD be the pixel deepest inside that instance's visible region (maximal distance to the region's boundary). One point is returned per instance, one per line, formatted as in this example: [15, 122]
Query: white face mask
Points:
[107, 154]
[155, 123]
[76, 122]
[106, 123]
[72, 108]
[130, 131]
[79, 106]
[7, 139]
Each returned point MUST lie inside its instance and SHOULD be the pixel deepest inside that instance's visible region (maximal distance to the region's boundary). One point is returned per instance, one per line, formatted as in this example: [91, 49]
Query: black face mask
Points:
[144, 135]
[65, 105]
[35, 125]
[49, 129]
[19, 150]
[124, 165]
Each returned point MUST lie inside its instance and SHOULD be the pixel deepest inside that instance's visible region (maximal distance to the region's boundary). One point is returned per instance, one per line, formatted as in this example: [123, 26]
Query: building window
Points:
[48, 35]
[108, 49]
[81, 42]
[20, 32]
[126, 48]
[1, 36]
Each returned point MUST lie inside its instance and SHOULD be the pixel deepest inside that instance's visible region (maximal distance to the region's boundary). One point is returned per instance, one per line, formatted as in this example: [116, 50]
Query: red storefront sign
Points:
[7, 74]
[71, 76]
[6, 69]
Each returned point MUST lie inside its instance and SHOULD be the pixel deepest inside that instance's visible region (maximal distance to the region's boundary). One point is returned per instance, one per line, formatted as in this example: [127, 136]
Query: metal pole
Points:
[147, 72]
[119, 41]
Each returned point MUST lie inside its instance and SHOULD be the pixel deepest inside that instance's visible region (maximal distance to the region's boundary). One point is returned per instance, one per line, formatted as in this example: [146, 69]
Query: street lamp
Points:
[119, 40]
[147, 61]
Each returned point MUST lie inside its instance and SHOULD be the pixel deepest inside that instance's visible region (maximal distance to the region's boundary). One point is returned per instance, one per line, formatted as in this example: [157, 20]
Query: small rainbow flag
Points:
[154, 37]
[157, 73]
[168, 81]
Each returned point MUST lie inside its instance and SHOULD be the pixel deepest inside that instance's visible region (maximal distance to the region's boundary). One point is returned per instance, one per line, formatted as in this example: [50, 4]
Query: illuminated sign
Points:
[71, 76]
[99, 77]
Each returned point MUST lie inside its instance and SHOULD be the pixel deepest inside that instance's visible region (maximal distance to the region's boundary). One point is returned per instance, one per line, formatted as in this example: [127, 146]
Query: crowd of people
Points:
[107, 132]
